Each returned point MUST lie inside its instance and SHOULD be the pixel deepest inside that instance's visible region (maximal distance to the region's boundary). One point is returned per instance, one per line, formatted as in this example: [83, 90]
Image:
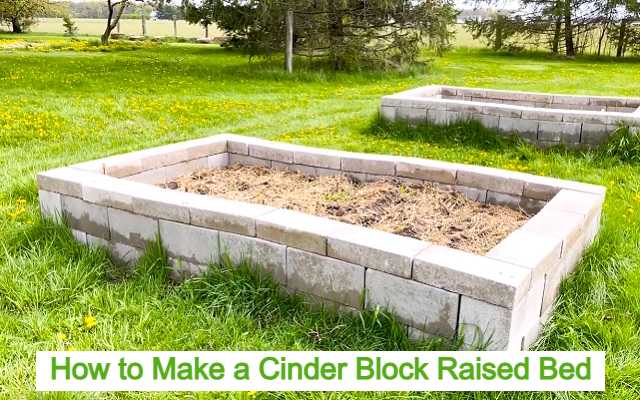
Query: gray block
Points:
[270, 257]
[421, 306]
[50, 205]
[325, 277]
[191, 243]
[132, 229]
[86, 217]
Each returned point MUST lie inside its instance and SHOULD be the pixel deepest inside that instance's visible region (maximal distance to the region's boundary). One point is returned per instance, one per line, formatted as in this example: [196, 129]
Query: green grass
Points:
[60, 107]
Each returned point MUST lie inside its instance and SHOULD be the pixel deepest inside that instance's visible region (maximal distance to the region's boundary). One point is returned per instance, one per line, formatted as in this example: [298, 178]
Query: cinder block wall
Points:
[504, 296]
[542, 119]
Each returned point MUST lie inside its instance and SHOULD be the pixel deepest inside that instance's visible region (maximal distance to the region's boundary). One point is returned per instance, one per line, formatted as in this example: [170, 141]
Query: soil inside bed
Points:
[421, 211]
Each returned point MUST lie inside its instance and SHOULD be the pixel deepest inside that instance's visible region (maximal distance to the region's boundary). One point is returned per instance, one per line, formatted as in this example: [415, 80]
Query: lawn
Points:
[60, 107]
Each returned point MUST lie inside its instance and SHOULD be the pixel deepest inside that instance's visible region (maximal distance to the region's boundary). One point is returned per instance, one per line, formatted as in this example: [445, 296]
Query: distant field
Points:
[128, 26]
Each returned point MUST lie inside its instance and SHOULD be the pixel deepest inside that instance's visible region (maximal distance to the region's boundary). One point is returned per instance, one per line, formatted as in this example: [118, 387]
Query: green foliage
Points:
[70, 27]
[348, 33]
[20, 13]
[624, 145]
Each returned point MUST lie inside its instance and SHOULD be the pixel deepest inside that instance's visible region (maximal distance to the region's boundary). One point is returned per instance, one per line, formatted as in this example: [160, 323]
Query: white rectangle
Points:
[340, 371]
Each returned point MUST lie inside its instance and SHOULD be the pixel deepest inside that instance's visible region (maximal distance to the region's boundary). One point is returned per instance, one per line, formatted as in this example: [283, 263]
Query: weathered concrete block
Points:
[480, 277]
[471, 193]
[566, 132]
[235, 159]
[123, 165]
[194, 244]
[542, 115]
[411, 115]
[565, 226]
[218, 160]
[430, 170]
[79, 236]
[132, 229]
[488, 121]
[94, 241]
[325, 277]
[50, 205]
[375, 249]
[111, 192]
[525, 128]
[182, 270]
[485, 326]
[322, 158]
[95, 166]
[86, 217]
[296, 229]
[531, 206]
[582, 203]
[124, 254]
[369, 164]
[185, 168]
[502, 199]
[281, 152]
[152, 177]
[496, 180]
[538, 253]
[66, 181]
[595, 133]
[270, 257]
[162, 203]
[421, 306]
[225, 215]
[388, 113]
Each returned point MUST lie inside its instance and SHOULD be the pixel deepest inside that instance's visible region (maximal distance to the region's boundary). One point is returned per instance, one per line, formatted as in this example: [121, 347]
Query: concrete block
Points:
[79, 236]
[485, 326]
[595, 133]
[296, 229]
[566, 132]
[492, 179]
[86, 217]
[325, 277]
[162, 203]
[475, 276]
[582, 203]
[565, 226]
[375, 249]
[531, 206]
[112, 192]
[194, 244]
[411, 115]
[488, 121]
[123, 165]
[94, 241]
[95, 166]
[471, 193]
[270, 257]
[542, 115]
[235, 159]
[132, 229]
[421, 306]
[537, 252]
[50, 205]
[123, 254]
[322, 158]
[151, 177]
[182, 270]
[225, 215]
[273, 151]
[218, 160]
[66, 181]
[584, 117]
[429, 170]
[369, 164]
[388, 113]
[185, 168]
[238, 147]
[502, 111]
[525, 128]
[502, 199]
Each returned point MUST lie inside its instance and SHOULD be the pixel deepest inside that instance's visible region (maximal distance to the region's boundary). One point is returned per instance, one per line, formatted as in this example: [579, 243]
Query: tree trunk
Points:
[605, 27]
[568, 30]
[555, 47]
[497, 44]
[622, 38]
[16, 27]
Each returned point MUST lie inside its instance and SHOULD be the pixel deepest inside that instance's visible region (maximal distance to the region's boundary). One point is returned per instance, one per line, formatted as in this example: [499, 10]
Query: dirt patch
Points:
[419, 211]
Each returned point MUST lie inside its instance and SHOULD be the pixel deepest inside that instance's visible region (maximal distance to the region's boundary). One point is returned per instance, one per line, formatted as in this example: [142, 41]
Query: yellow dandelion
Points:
[61, 337]
[88, 321]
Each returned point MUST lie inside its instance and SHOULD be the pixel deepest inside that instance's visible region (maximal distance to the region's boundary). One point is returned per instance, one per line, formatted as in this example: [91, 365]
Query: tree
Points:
[346, 33]
[20, 13]
[70, 27]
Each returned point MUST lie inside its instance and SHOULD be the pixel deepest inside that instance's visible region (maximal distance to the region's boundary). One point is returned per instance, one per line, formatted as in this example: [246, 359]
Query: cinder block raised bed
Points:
[503, 296]
[540, 118]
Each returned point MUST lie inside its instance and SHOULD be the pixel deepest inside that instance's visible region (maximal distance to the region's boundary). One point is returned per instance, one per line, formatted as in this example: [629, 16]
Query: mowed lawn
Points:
[60, 107]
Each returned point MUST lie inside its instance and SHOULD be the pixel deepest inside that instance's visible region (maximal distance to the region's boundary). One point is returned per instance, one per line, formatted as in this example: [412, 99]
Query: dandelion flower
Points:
[88, 321]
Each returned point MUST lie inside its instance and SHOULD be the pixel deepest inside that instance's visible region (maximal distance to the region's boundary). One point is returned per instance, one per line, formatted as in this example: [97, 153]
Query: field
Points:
[61, 107]
[95, 27]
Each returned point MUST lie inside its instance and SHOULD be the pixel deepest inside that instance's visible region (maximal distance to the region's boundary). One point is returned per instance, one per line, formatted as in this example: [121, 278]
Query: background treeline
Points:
[99, 9]
[569, 27]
